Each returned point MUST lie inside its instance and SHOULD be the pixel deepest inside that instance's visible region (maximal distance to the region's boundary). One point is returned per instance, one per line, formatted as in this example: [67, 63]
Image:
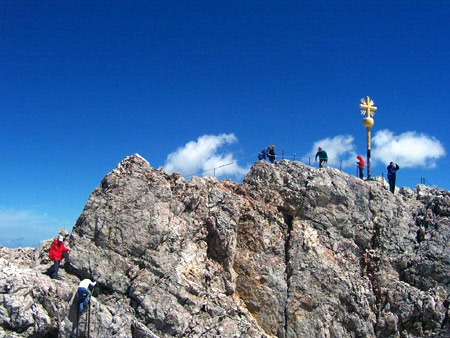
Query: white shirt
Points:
[85, 283]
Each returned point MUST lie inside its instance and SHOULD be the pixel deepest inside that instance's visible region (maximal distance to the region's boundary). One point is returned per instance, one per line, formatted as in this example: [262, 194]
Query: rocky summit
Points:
[293, 251]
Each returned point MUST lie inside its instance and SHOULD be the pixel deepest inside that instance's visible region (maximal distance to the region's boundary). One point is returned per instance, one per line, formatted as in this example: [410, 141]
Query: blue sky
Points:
[193, 85]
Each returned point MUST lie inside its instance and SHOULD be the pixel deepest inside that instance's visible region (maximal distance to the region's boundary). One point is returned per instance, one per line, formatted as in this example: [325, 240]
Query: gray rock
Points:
[293, 251]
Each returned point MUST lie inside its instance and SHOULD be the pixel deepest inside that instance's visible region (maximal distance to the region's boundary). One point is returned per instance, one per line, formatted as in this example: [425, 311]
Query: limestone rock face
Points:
[292, 251]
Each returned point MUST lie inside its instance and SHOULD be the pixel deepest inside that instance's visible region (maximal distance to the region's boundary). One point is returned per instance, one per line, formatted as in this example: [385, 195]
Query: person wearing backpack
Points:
[57, 250]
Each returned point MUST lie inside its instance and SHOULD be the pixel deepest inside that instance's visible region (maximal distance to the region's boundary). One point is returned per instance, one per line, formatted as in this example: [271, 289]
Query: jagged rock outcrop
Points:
[293, 251]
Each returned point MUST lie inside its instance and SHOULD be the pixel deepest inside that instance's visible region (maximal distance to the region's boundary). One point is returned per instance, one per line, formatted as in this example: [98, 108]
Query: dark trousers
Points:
[57, 264]
[55, 269]
[361, 172]
[322, 163]
[391, 184]
[83, 298]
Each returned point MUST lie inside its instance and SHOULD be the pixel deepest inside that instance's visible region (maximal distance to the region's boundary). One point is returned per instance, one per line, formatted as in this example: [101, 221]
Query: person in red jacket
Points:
[56, 253]
[360, 166]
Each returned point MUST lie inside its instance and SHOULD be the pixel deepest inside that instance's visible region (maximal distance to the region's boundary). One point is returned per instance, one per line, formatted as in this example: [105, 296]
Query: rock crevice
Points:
[292, 251]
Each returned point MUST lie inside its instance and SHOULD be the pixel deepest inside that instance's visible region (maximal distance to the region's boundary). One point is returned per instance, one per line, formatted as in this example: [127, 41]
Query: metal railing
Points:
[285, 157]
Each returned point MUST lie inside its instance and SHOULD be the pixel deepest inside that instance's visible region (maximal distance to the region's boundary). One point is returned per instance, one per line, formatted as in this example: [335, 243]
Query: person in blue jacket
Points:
[263, 154]
[392, 175]
[268, 153]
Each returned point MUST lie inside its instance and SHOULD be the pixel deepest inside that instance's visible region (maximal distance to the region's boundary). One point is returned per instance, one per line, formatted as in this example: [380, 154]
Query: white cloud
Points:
[340, 147]
[202, 156]
[409, 149]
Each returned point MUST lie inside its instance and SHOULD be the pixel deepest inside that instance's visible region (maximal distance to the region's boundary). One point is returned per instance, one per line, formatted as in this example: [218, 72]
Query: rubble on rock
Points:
[293, 251]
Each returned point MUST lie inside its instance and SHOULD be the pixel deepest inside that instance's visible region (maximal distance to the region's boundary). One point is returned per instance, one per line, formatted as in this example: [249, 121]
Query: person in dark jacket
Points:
[323, 157]
[360, 165]
[392, 175]
[57, 250]
[272, 156]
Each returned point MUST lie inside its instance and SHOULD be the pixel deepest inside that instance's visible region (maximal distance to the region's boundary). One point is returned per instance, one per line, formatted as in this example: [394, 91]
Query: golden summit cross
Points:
[367, 106]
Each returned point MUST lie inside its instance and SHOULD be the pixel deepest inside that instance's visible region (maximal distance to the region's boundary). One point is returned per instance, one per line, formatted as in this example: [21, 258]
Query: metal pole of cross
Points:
[367, 107]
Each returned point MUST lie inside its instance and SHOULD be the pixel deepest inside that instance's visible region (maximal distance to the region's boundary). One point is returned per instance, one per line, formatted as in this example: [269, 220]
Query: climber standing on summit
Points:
[272, 155]
[323, 157]
[392, 175]
[360, 165]
[57, 250]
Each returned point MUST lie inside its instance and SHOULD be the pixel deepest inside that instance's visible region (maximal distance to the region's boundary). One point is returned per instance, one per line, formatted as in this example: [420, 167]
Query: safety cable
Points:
[296, 158]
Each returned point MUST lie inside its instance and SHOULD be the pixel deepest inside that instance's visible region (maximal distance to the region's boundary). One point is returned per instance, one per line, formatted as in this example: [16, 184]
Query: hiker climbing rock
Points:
[392, 175]
[323, 157]
[360, 165]
[84, 290]
[57, 252]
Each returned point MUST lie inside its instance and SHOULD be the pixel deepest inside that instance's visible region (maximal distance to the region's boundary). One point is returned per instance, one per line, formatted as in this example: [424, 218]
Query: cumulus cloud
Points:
[340, 147]
[409, 149]
[205, 154]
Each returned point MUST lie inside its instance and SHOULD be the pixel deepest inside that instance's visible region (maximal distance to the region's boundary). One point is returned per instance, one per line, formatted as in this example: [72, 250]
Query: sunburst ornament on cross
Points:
[367, 107]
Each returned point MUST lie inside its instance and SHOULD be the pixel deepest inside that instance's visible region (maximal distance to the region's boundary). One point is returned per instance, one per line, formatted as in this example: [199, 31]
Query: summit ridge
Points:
[292, 251]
